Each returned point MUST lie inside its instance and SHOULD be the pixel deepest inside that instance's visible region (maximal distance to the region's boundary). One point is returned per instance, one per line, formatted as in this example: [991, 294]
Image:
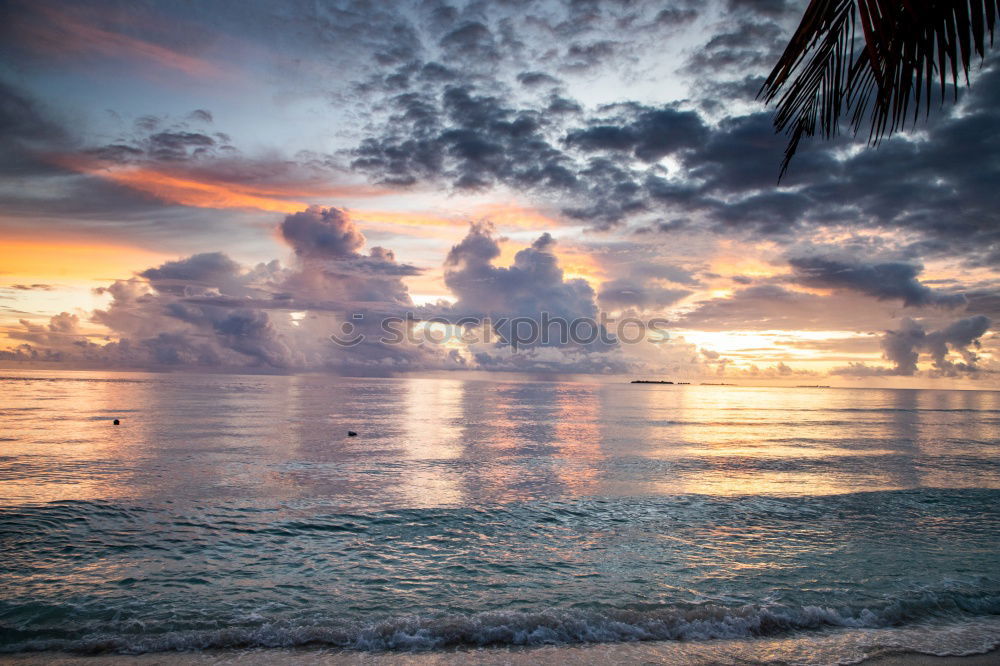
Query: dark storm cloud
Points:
[558, 105]
[718, 97]
[179, 145]
[941, 184]
[734, 159]
[649, 135]
[472, 140]
[749, 45]
[476, 141]
[150, 141]
[928, 185]
[885, 281]
[472, 40]
[676, 16]
[532, 79]
[903, 347]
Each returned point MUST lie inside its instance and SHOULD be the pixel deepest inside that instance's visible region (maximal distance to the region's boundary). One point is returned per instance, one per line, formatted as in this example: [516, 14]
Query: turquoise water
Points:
[233, 512]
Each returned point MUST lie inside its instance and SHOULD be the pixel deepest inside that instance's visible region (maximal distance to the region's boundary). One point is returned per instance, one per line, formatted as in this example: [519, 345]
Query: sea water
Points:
[720, 522]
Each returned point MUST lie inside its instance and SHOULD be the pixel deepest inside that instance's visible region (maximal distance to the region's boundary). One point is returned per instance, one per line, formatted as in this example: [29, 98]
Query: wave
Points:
[516, 628]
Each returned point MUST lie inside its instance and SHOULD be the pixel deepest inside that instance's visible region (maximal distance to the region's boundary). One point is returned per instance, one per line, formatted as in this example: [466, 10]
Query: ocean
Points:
[684, 523]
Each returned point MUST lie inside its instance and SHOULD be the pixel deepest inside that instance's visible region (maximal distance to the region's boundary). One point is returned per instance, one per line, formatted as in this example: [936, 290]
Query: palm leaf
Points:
[880, 78]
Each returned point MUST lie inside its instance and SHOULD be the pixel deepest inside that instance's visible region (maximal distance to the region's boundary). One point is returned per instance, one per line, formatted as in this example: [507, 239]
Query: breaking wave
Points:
[523, 628]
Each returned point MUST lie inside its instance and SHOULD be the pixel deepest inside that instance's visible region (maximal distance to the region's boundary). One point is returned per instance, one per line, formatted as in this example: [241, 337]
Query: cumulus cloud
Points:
[207, 309]
[903, 347]
[321, 232]
[532, 285]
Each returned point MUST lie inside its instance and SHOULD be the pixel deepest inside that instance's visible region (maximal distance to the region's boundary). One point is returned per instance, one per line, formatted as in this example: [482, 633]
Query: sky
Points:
[224, 185]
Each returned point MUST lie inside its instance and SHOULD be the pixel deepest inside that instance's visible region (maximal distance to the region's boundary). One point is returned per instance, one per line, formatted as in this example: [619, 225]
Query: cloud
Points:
[321, 232]
[750, 44]
[472, 41]
[903, 346]
[531, 79]
[525, 100]
[471, 140]
[207, 309]
[624, 293]
[650, 134]
[764, 307]
[584, 56]
[884, 281]
[532, 285]
[26, 133]
[59, 339]
[532, 288]
[71, 33]
[204, 309]
[32, 287]
[206, 269]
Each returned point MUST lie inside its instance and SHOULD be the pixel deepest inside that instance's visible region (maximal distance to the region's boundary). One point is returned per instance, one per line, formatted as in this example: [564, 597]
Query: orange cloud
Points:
[58, 31]
[503, 215]
[181, 189]
[515, 215]
[192, 189]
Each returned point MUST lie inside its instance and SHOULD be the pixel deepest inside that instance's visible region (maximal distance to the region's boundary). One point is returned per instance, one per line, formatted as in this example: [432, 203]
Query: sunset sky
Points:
[222, 185]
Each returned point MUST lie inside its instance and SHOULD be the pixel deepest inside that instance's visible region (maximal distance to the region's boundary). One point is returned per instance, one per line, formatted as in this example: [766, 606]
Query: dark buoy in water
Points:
[351, 433]
[116, 422]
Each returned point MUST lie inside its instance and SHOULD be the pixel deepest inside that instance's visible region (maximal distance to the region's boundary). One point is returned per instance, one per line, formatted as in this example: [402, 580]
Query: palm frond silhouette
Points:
[878, 76]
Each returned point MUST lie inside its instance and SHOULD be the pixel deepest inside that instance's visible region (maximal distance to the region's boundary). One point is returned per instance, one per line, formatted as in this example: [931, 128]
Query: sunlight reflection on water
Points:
[234, 511]
[449, 442]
